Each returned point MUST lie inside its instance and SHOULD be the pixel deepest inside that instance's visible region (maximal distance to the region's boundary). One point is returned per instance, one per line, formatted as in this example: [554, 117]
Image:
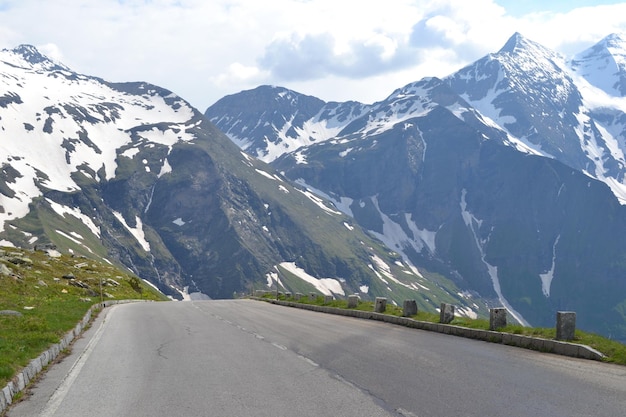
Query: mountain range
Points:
[132, 174]
[501, 184]
[507, 176]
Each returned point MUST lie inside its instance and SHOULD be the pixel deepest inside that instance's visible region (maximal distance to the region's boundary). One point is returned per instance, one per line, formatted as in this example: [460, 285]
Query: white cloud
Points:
[203, 50]
[52, 51]
[238, 76]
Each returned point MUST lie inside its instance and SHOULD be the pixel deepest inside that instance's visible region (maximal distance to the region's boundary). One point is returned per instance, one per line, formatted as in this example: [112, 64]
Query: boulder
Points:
[110, 282]
[77, 283]
[10, 313]
[5, 270]
[20, 260]
[49, 249]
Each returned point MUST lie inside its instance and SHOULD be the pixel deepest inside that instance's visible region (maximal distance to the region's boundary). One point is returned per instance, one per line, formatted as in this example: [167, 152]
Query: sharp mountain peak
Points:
[518, 44]
[31, 56]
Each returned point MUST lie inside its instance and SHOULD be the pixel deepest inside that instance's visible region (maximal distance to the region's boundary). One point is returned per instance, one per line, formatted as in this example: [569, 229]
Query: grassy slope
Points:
[48, 304]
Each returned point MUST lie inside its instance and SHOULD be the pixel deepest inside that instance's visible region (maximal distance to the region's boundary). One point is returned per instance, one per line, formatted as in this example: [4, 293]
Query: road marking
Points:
[57, 398]
[281, 347]
[405, 413]
[309, 361]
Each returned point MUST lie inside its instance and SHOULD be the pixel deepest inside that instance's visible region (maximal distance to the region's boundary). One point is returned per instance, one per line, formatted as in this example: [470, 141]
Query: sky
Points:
[336, 50]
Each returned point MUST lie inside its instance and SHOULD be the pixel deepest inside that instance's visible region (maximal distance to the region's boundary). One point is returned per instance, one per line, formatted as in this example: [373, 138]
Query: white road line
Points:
[405, 413]
[309, 361]
[281, 347]
[57, 398]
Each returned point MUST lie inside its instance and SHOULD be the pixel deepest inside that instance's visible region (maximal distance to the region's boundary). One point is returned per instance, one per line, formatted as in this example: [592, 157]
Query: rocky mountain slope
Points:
[131, 173]
[506, 177]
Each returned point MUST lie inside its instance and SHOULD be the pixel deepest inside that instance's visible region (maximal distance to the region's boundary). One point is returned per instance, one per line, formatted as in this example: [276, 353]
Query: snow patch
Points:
[394, 236]
[63, 210]
[265, 174]
[167, 137]
[327, 286]
[165, 168]
[318, 201]
[343, 204]
[272, 278]
[342, 154]
[130, 153]
[137, 232]
[65, 235]
[383, 269]
[73, 239]
[466, 311]
[151, 284]
[183, 293]
[300, 158]
[546, 277]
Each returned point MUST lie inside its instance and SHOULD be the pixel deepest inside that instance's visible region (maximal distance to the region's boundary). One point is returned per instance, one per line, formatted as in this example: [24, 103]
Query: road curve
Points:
[248, 358]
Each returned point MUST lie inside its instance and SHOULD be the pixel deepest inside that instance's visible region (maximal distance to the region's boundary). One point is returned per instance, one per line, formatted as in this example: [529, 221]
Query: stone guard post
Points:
[446, 313]
[497, 318]
[409, 308]
[565, 325]
[353, 300]
[381, 305]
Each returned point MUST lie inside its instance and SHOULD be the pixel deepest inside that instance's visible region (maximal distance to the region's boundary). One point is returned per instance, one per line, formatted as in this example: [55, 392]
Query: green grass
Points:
[48, 305]
[615, 352]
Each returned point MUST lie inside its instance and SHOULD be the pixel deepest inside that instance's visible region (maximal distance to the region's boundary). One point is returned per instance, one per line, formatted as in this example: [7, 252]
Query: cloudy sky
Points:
[336, 50]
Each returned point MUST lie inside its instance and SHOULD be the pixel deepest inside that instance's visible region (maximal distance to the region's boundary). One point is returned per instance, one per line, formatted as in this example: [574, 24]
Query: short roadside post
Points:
[446, 313]
[497, 318]
[409, 308]
[381, 304]
[565, 325]
[353, 301]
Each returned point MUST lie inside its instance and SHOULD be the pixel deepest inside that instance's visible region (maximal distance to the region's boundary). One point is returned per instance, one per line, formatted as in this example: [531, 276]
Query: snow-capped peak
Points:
[518, 44]
[56, 123]
[516, 41]
[27, 56]
[604, 64]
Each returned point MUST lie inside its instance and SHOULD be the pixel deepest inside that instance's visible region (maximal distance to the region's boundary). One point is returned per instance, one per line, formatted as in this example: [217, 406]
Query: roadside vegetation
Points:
[615, 352]
[42, 297]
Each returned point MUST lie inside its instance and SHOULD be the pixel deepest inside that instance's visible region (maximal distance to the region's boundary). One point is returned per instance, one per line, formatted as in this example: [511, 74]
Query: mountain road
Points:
[250, 358]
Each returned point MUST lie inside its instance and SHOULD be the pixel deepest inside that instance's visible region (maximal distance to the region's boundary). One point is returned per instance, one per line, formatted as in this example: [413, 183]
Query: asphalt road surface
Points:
[250, 358]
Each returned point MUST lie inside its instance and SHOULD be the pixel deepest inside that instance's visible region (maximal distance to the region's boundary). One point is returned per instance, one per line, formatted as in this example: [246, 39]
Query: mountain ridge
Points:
[133, 174]
[448, 172]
